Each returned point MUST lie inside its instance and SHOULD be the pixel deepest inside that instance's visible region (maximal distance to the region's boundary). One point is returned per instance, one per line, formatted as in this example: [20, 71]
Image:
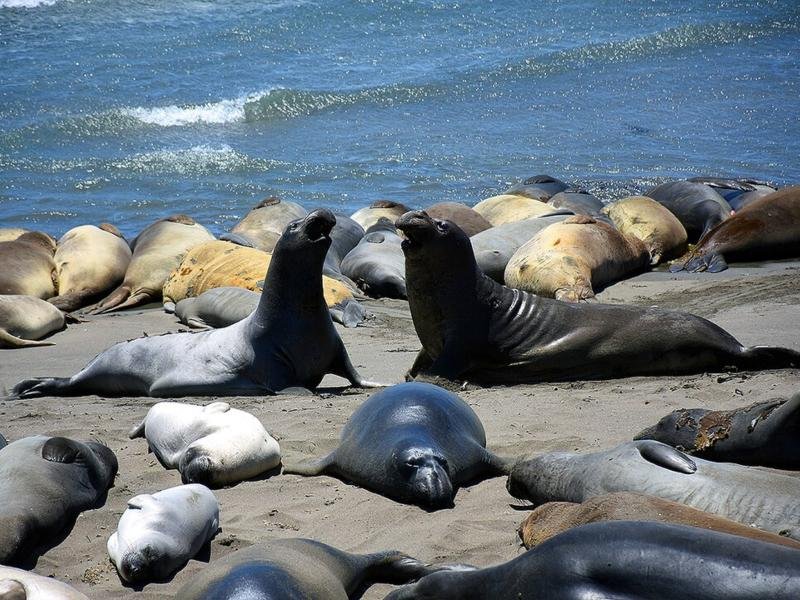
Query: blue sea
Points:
[128, 111]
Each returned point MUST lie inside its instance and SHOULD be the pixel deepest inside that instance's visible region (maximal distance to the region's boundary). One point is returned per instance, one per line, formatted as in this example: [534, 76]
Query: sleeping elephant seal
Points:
[769, 228]
[262, 226]
[215, 445]
[25, 319]
[28, 266]
[90, 261]
[475, 329]
[647, 220]
[470, 221]
[752, 496]
[289, 341]
[507, 208]
[345, 236]
[47, 483]
[627, 560]
[18, 584]
[376, 264]
[737, 192]
[414, 443]
[367, 217]
[764, 434]
[580, 202]
[698, 207]
[9, 234]
[159, 533]
[538, 187]
[157, 250]
[302, 569]
[566, 261]
[553, 518]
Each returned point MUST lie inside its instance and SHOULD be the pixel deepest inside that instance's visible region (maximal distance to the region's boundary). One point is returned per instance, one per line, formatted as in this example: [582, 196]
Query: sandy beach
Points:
[759, 304]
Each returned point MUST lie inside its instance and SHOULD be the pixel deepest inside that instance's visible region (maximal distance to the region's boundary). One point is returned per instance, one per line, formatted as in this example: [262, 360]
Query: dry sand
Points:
[757, 304]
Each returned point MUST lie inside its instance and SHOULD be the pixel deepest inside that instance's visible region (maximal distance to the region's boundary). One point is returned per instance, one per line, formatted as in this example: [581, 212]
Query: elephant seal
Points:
[757, 497]
[376, 264]
[90, 261]
[18, 584]
[28, 266]
[507, 208]
[299, 568]
[698, 207]
[473, 328]
[414, 443]
[265, 222]
[553, 518]
[159, 533]
[538, 187]
[651, 222]
[368, 216]
[3, 442]
[345, 236]
[768, 228]
[494, 247]
[737, 192]
[469, 220]
[289, 341]
[9, 234]
[566, 261]
[627, 560]
[157, 250]
[580, 202]
[764, 434]
[26, 319]
[47, 483]
[215, 445]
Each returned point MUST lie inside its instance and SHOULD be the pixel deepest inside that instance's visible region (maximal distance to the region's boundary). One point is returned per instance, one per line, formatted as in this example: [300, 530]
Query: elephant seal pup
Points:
[265, 222]
[567, 260]
[538, 187]
[215, 445]
[764, 434]
[768, 228]
[627, 560]
[289, 341]
[26, 319]
[494, 247]
[698, 207]
[299, 568]
[553, 518]
[470, 221]
[580, 202]
[507, 208]
[47, 483]
[414, 443]
[157, 250]
[159, 533]
[756, 497]
[9, 234]
[368, 216]
[647, 220]
[475, 329]
[28, 266]
[90, 261]
[18, 584]
[376, 264]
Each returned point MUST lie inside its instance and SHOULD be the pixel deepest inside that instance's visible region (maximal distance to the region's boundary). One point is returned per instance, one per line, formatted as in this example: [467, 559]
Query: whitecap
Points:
[26, 3]
[224, 111]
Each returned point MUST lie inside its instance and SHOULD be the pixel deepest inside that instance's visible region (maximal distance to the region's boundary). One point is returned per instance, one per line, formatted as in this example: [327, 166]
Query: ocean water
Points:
[130, 111]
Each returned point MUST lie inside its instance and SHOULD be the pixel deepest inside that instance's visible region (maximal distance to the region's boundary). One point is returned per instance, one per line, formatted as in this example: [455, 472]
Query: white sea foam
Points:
[26, 3]
[224, 111]
[197, 160]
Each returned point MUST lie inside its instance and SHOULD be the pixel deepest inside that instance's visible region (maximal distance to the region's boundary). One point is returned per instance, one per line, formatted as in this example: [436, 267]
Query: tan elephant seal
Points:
[567, 260]
[90, 261]
[9, 234]
[263, 225]
[652, 223]
[24, 319]
[470, 221]
[27, 266]
[508, 208]
[553, 518]
[19, 584]
[157, 251]
[218, 264]
[368, 216]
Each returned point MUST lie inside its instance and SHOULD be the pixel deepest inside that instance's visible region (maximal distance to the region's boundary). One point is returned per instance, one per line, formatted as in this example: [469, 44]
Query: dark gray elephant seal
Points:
[262, 226]
[345, 236]
[538, 187]
[698, 207]
[289, 341]
[299, 569]
[627, 560]
[764, 434]
[759, 497]
[412, 442]
[47, 483]
[376, 264]
[473, 328]
[580, 202]
[737, 192]
[3, 442]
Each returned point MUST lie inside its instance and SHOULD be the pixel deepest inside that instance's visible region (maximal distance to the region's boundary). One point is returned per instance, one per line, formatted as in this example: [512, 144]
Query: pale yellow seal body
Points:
[507, 208]
[9, 234]
[265, 222]
[27, 266]
[25, 319]
[369, 215]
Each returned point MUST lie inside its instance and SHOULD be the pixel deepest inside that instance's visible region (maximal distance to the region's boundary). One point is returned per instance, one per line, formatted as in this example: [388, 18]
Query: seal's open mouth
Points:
[417, 227]
[318, 224]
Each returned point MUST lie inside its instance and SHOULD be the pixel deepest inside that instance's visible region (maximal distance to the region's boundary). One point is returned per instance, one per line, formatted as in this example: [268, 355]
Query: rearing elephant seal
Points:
[413, 442]
[28, 268]
[90, 261]
[289, 341]
[25, 319]
[262, 226]
[698, 207]
[476, 329]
